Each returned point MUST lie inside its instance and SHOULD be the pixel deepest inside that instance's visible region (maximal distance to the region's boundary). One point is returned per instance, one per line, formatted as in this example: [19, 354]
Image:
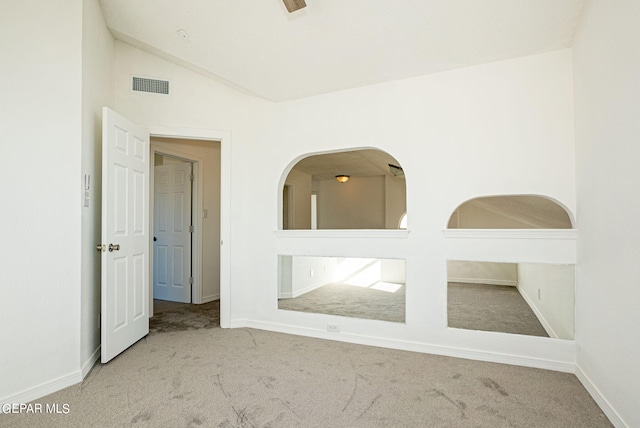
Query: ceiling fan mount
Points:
[293, 5]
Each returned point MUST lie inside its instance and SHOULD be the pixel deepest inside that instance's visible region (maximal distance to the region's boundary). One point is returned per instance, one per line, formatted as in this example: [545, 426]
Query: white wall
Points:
[199, 102]
[607, 88]
[499, 128]
[550, 292]
[97, 60]
[482, 272]
[208, 152]
[513, 120]
[40, 271]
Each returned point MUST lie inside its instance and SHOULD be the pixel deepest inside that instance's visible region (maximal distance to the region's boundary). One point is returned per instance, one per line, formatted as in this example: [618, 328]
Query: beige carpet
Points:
[491, 308]
[172, 316]
[350, 301]
[252, 378]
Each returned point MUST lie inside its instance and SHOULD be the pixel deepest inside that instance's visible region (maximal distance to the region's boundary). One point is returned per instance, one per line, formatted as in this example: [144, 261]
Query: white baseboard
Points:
[604, 404]
[239, 323]
[545, 324]
[88, 365]
[471, 354]
[210, 298]
[298, 293]
[43, 389]
[484, 281]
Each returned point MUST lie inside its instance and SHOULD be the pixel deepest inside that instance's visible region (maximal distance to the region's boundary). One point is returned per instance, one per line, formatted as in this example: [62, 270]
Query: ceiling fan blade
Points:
[293, 5]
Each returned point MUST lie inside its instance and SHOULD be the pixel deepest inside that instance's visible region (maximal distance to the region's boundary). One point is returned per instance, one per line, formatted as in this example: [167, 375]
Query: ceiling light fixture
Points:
[342, 178]
[293, 5]
[396, 170]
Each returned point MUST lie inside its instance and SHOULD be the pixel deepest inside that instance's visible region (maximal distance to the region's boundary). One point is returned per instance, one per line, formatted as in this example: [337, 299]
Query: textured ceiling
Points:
[535, 211]
[330, 45]
[357, 163]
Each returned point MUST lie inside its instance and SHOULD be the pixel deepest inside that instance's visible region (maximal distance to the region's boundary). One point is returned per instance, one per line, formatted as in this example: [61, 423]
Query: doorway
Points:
[204, 269]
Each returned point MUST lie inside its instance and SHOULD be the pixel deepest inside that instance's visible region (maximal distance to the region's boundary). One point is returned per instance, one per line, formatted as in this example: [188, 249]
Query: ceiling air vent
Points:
[153, 86]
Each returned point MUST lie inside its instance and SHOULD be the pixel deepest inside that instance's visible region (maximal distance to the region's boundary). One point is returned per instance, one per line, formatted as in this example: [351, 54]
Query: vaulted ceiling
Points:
[331, 45]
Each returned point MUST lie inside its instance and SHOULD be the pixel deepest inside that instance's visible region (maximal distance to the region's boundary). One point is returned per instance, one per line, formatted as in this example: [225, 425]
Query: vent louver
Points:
[153, 86]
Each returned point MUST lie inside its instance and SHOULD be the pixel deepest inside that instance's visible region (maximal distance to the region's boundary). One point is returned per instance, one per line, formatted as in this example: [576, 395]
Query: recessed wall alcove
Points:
[511, 266]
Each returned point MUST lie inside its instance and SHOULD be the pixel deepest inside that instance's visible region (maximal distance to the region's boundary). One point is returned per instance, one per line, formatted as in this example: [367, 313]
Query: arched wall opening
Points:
[511, 212]
[354, 189]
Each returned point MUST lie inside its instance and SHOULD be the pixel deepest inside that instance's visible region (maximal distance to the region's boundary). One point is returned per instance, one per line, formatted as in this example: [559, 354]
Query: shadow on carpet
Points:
[186, 317]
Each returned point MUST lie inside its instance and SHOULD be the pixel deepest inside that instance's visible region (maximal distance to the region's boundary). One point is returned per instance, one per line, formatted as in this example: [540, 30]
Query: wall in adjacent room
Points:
[357, 204]
[550, 292]
[482, 272]
[301, 198]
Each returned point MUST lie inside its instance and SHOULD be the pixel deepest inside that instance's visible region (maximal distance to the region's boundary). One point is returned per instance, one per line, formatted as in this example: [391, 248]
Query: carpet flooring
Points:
[470, 306]
[172, 316]
[350, 301]
[491, 308]
[252, 378]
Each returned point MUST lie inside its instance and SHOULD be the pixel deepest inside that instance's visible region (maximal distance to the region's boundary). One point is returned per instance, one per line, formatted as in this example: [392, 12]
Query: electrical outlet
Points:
[333, 328]
[311, 273]
[539, 294]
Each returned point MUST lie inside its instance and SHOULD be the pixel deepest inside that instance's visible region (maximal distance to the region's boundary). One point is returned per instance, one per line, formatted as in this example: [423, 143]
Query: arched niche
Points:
[371, 194]
[511, 212]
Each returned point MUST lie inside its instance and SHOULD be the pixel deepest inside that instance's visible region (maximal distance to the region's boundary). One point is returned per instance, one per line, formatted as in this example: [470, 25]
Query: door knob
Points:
[113, 247]
[100, 247]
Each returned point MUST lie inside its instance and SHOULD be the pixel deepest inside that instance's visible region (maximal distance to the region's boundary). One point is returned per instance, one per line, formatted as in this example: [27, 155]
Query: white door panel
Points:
[125, 239]
[172, 237]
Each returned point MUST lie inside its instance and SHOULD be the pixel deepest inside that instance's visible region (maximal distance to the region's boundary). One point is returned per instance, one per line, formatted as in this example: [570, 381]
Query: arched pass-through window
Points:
[355, 189]
[510, 212]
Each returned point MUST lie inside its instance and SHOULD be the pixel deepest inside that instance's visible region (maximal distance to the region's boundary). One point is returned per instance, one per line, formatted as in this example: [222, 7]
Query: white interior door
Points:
[125, 234]
[172, 232]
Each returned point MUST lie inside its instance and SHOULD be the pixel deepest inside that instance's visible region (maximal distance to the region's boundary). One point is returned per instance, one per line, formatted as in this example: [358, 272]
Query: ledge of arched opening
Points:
[353, 189]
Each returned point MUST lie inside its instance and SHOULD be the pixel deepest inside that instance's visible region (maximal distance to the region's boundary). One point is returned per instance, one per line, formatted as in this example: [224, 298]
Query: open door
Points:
[125, 234]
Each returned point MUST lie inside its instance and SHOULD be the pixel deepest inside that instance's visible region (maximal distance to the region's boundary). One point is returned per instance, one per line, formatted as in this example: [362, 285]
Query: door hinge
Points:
[191, 280]
[192, 177]
[191, 230]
